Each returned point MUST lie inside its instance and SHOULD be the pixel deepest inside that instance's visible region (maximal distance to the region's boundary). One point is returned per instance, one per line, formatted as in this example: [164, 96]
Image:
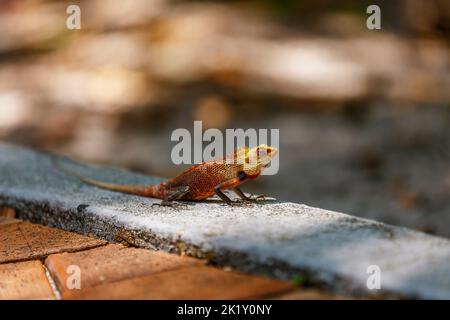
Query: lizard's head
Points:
[259, 157]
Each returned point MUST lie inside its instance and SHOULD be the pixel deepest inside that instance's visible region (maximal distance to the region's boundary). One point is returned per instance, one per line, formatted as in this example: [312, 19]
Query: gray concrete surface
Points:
[283, 239]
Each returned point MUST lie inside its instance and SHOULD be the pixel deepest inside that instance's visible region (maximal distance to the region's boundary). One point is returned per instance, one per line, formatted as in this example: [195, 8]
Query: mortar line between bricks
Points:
[25, 238]
[52, 283]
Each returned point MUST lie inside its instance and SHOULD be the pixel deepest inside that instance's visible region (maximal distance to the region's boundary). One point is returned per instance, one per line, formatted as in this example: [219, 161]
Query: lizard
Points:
[203, 180]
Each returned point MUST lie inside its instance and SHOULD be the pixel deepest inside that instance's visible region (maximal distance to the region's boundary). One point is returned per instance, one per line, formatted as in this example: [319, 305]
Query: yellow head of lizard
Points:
[257, 158]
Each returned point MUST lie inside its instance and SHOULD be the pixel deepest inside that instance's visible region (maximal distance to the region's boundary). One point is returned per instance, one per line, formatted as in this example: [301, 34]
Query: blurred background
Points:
[363, 114]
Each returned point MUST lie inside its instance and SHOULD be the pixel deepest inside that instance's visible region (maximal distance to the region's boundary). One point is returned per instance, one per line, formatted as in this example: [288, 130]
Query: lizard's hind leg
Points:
[174, 194]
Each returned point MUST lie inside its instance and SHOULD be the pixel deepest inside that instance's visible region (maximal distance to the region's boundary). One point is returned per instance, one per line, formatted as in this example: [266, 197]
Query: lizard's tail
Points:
[131, 189]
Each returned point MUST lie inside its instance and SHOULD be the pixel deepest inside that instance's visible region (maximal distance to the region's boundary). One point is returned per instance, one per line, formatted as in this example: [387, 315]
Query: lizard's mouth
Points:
[265, 155]
[260, 156]
[272, 152]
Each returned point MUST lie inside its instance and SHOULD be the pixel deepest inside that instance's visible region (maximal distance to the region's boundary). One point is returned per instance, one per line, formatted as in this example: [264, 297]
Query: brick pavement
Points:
[38, 262]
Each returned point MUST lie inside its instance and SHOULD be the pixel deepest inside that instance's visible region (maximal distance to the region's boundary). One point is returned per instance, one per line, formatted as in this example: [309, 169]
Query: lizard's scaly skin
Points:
[203, 180]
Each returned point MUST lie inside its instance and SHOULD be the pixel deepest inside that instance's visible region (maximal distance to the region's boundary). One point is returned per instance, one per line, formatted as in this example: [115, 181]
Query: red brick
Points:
[197, 282]
[27, 241]
[7, 216]
[113, 263]
[5, 220]
[24, 280]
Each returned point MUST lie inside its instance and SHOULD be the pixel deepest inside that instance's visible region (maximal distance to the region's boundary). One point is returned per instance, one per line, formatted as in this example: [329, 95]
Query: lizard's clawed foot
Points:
[245, 198]
[247, 202]
[231, 203]
[256, 198]
[240, 203]
[171, 204]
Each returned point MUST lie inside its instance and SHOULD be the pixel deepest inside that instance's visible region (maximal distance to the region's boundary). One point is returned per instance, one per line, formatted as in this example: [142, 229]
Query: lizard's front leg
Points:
[232, 183]
[251, 198]
[223, 196]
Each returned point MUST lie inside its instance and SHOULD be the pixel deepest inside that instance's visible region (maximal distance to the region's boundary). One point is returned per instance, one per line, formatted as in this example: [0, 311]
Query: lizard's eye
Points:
[263, 151]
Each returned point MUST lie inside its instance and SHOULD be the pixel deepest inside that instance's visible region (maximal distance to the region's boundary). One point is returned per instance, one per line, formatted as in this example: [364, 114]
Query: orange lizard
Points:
[203, 180]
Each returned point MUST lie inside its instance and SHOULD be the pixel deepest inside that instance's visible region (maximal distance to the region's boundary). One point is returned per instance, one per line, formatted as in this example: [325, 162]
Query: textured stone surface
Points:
[113, 263]
[186, 283]
[280, 238]
[24, 280]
